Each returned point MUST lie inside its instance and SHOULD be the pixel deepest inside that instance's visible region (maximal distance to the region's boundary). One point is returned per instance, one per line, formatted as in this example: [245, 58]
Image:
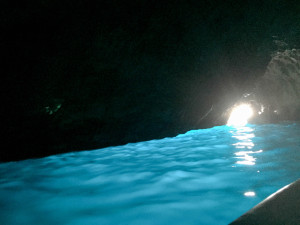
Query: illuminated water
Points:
[206, 177]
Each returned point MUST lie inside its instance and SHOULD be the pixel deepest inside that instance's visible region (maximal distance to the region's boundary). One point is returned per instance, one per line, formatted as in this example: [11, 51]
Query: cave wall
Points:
[278, 90]
[85, 75]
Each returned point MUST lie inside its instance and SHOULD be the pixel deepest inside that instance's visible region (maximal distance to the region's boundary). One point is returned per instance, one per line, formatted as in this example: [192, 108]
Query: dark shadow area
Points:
[82, 75]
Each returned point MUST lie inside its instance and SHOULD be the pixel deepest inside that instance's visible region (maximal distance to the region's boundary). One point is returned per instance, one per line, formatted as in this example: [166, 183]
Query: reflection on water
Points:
[245, 149]
[247, 158]
[249, 193]
[244, 145]
[194, 178]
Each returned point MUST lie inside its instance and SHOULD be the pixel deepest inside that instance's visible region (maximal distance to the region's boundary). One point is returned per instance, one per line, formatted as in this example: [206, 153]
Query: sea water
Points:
[208, 176]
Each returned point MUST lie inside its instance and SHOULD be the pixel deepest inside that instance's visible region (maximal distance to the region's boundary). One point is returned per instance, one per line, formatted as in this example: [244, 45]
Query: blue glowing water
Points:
[208, 176]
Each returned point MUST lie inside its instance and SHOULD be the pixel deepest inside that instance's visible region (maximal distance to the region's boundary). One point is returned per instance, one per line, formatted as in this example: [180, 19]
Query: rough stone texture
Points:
[279, 88]
[89, 74]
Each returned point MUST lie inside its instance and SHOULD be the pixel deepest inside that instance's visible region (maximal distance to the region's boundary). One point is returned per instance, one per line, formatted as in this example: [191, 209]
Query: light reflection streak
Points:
[245, 151]
[248, 145]
[250, 194]
[244, 145]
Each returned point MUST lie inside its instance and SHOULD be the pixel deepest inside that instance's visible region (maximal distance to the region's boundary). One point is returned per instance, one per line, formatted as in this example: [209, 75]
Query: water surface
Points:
[208, 176]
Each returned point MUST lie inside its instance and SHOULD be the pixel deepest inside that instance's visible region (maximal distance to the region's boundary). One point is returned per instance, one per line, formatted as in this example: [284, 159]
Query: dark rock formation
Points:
[278, 91]
[84, 74]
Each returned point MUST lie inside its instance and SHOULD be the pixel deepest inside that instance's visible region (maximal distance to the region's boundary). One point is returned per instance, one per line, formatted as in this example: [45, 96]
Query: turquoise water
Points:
[208, 176]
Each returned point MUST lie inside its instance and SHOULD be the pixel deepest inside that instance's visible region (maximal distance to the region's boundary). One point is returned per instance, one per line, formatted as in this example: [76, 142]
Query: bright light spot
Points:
[248, 145]
[246, 162]
[247, 158]
[249, 194]
[244, 136]
[240, 115]
[248, 152]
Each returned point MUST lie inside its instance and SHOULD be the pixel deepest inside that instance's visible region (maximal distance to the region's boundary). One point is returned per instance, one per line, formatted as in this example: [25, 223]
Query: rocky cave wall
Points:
[278, 90]
[84, 75]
